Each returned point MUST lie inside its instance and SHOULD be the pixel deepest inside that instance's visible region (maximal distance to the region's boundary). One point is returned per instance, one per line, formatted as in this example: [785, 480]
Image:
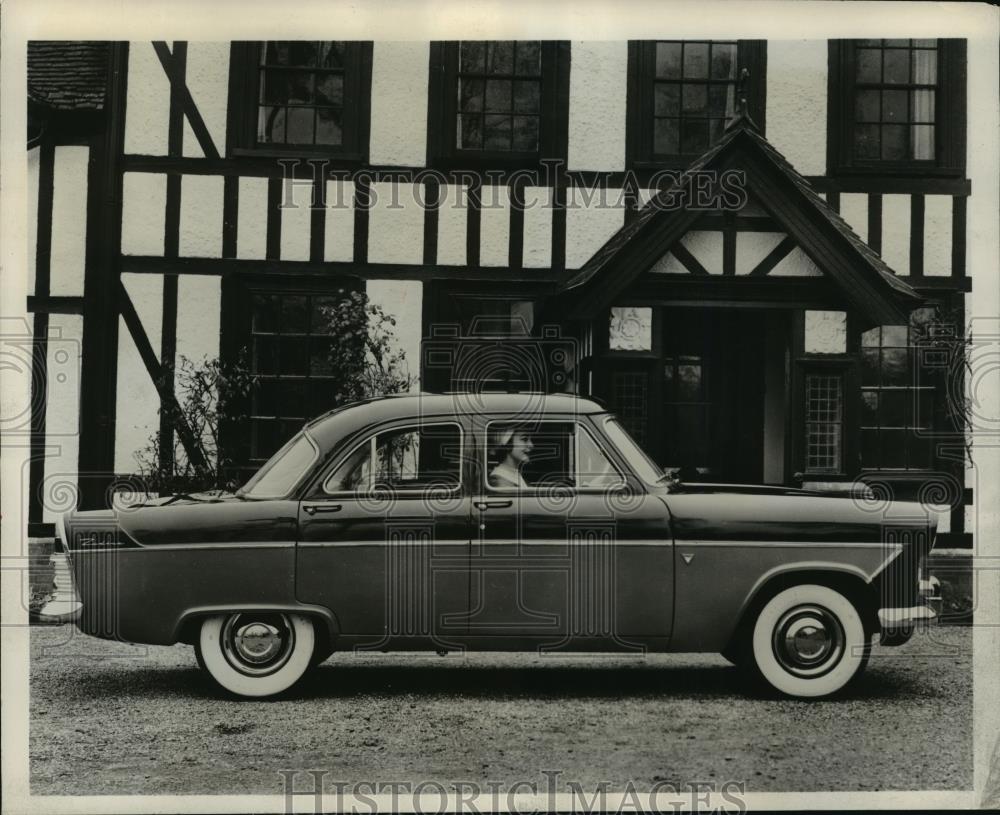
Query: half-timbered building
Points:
[755, 252]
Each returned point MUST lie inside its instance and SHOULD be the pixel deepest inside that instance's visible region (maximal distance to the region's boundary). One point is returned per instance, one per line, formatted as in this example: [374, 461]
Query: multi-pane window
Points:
[895, 99]
[824, 423]
[502, 103]
[295, 349]
[685, 93]
[499, 96]
[897, 397]
[897, 106]
[630, 397]
[304, 96]
[301, 93]
[694, 94]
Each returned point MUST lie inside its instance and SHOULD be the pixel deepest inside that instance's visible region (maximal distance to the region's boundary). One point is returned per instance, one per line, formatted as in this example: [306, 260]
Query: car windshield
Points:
[283, 470]
[641, 463]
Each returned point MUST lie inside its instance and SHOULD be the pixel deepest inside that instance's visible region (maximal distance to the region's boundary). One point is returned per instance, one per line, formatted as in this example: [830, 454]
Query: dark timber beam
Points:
[99, 373]
[175, 74]
[774, 257]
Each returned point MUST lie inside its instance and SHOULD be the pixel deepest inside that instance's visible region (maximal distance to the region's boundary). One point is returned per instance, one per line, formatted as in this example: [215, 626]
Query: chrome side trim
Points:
[480, 543]
[174, 547]
[791, 544]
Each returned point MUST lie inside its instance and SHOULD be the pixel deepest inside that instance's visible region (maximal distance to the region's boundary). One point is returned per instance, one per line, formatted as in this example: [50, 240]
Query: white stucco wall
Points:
[200, 233]
[395, 225]
[797, 264]
[753, 247]
[199, 308]
[854, 210]
[31, 216]
[69, 221]
[452, 220]
[590, 221]
[144, 200]
[597, 86]
[494, 226]
[62, 415]
[937, 235]
[339, 227]
[137, 411]
[147, 107]
[251, 219]
[296, 221]
[796, 102]
[402, 299]
[399, 103]
[706, 246]
[208, 81]
[537, 249]
[896, 232]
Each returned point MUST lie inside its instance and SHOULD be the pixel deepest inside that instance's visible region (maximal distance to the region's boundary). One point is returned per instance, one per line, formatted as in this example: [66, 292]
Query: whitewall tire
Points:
[256, 654]
[809, 641]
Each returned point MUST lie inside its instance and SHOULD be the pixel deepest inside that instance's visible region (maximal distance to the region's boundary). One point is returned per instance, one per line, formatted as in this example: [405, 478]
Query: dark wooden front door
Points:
[699, 403]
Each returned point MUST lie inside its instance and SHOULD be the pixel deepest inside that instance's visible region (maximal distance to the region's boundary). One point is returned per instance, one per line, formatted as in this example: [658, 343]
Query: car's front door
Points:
[569, 551]
[384, 537]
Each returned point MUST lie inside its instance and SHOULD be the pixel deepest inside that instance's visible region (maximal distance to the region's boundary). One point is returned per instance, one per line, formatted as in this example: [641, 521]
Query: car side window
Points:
[402, 459]
[541, 455]
[595, 470]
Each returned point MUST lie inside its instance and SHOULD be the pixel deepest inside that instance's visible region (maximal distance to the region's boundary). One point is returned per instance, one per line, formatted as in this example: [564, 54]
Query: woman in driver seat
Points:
[510, 449]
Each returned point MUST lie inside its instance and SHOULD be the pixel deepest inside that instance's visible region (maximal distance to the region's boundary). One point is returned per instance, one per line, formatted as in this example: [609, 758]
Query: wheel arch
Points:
[326, 623]
[849, 580]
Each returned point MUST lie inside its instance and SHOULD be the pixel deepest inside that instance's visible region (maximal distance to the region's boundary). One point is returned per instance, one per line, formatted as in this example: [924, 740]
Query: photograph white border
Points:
[23, 20]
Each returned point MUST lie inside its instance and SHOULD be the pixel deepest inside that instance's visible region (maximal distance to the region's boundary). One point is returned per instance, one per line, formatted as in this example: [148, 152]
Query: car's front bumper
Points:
[926, 612]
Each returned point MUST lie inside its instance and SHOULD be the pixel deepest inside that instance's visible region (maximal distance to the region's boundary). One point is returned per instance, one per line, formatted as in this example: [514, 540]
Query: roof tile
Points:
[67, 75]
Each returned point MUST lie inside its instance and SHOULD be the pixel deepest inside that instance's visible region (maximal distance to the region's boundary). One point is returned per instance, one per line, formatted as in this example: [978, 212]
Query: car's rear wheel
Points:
[255, 653]
[809, 641]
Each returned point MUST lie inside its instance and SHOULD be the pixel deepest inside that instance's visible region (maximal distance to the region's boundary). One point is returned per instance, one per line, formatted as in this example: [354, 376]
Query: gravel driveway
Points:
[111, 718]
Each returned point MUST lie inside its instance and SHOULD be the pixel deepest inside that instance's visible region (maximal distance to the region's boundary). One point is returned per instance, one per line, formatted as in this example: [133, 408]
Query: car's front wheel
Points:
[255, 653]
[809, 641]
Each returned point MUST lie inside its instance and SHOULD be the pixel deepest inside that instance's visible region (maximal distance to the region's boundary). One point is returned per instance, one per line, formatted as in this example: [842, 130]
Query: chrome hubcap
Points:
[808, 641]
[257, 644]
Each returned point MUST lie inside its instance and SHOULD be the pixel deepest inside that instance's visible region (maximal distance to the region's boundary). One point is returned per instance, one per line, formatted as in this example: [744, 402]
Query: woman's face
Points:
[521, 446]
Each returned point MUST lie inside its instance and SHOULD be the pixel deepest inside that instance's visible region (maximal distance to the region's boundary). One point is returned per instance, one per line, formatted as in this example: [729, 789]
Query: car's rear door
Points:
[384, 536]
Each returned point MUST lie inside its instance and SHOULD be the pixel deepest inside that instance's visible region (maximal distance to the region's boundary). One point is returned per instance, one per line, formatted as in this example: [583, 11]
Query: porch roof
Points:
[865, 280]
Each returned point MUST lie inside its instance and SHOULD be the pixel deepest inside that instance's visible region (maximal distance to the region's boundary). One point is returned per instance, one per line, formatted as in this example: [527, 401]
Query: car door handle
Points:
[312, 509]
[493, 504]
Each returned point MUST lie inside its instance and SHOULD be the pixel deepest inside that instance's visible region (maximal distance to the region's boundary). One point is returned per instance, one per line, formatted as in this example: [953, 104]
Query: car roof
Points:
[337, 424]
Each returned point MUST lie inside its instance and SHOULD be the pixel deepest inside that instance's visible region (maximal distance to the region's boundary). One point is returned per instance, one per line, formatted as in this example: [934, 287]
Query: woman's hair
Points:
[500, 442]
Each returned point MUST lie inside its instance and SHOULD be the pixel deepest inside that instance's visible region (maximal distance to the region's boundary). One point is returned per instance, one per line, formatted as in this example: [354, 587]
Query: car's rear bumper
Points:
[64, 606]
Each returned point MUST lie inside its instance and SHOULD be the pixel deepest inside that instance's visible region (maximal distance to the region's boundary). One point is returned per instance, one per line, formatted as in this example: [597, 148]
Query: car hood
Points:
[761, 513]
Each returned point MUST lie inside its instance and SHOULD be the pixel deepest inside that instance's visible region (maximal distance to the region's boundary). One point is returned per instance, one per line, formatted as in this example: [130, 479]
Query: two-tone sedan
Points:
[498, 522]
